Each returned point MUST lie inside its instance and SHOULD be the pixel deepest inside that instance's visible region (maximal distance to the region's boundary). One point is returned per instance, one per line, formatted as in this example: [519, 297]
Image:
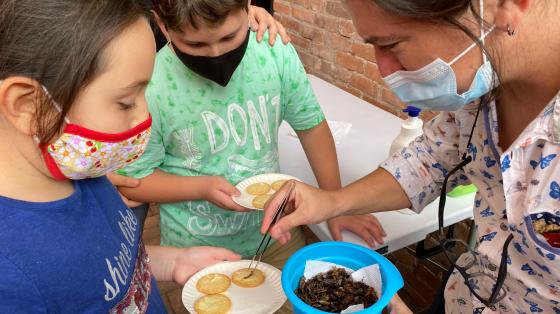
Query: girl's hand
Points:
[219, 192]
[121, 181]
[306, 205]
[260, 20]
[189, 261]
[365, 226]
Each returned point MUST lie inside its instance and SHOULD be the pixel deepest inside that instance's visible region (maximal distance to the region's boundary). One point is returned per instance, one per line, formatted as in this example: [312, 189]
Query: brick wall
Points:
[330, 48]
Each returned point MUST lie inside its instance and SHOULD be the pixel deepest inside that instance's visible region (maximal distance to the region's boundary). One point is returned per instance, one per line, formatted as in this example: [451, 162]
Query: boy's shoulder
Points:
[280, 52]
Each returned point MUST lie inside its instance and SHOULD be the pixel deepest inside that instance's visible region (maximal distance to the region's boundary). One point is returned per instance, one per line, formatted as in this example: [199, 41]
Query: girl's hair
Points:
[177, 13]
[60, 44]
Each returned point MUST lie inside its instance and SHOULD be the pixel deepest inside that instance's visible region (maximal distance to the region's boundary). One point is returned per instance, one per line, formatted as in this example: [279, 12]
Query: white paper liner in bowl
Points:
[369, 275]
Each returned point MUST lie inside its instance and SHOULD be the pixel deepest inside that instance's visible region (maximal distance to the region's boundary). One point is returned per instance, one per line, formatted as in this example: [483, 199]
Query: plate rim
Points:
[209, 270]
[236, 198]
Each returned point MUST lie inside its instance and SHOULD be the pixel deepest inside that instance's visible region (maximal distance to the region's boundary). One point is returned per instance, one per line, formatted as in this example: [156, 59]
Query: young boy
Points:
[217, 99]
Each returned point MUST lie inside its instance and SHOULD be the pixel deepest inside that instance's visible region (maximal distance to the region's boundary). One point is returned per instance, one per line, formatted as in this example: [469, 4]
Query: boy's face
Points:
[211, 41]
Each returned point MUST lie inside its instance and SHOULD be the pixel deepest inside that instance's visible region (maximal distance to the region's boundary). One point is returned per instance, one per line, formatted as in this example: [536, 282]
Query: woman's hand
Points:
[306, 205]
[191, 260]
[121, 181]
[260, 20]
[397, 306]
[366, 227]
[218, 191]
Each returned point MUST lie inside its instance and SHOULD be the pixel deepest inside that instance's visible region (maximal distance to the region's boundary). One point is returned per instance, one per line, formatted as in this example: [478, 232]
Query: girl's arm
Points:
[179, 264]
[162, 187]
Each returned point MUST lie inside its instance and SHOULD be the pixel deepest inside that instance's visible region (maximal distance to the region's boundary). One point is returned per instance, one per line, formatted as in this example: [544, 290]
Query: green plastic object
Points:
[462, 190]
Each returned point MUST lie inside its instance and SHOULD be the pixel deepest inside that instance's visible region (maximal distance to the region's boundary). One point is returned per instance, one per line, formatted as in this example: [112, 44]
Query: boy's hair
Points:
[177, 13]
[60, 44]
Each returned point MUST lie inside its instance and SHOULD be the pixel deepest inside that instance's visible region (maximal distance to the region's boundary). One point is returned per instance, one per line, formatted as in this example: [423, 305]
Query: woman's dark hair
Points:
[60, 44]
[446, 11]
[176, 13]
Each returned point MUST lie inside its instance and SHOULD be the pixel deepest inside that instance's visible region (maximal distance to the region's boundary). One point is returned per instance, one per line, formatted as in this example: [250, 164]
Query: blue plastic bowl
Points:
[342, 253]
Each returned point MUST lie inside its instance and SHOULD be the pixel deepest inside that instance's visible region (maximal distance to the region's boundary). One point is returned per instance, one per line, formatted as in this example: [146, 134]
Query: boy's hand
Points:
[219, 191]
[260, 20]
[365, 226]
[191, 260]
[121, 181]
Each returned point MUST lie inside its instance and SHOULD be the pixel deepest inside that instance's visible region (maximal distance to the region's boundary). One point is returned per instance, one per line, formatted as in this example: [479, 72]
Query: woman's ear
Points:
[161, 26]
[510, 14]
[19, 98]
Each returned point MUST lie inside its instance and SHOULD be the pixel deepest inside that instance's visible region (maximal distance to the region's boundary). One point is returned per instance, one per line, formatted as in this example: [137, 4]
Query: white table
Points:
[359, 153]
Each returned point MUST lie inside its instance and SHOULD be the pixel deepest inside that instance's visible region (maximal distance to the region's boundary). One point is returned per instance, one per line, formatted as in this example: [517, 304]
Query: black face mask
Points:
[219, 69]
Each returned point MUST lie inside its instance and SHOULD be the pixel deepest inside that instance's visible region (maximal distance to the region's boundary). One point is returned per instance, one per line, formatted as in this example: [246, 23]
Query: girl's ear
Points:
[161, 26]
[19, 98]
[510, 14]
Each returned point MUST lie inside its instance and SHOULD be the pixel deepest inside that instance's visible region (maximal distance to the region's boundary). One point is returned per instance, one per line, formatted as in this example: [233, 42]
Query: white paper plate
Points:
[264, 299]
[246, 199]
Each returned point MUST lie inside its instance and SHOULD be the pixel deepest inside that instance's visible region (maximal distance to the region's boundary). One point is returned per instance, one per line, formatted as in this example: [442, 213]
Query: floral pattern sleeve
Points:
[421, 167]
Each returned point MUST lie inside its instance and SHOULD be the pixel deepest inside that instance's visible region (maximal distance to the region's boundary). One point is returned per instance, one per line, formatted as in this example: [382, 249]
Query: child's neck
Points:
[22, 176]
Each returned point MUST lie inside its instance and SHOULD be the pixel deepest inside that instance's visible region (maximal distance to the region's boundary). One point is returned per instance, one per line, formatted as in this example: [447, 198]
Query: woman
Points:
[500, 130]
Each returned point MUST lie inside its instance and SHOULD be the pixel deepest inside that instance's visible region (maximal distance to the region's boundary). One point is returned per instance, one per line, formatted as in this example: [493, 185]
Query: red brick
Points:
[364, 84]
[302, 14]
[390, 98]
[350, 62]
[311, 32]
[289, 23]
[364, 50]
[336, 42]
[323, 52]
[327, 23]
[299, 42]
[281, 8]
[372, 72]
[335, 71]
[315, 5]
[346, 28]
[336, 8]
[307, 59]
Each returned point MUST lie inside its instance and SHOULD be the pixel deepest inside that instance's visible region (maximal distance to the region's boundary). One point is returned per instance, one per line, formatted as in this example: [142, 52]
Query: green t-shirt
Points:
[203, 129]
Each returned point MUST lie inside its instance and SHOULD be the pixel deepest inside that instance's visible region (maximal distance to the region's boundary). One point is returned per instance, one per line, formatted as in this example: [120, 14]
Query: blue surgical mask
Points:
[434, 87]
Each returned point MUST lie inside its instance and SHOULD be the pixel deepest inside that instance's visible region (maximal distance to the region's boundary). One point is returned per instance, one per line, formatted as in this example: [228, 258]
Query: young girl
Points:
[72, 80]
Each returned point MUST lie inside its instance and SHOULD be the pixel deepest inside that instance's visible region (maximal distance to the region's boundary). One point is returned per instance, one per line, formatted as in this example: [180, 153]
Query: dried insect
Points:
[334, 291]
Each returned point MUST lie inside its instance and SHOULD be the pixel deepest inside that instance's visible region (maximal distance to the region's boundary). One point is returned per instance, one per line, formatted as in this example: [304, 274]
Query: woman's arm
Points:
[320, 149]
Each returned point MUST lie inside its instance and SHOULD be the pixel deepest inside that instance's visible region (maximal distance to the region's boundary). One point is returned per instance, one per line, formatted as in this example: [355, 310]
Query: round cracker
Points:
[213, 283]
[213, 304]
[239, 277]
[258, 188]
[277, 185]
[260, 200]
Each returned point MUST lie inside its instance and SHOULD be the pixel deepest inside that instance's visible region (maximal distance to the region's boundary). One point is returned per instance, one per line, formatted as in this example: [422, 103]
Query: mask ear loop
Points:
[55, 104]
[482, 35]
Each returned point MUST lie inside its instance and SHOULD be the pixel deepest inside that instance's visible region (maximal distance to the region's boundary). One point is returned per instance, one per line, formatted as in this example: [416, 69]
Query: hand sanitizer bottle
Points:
[410, 129]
